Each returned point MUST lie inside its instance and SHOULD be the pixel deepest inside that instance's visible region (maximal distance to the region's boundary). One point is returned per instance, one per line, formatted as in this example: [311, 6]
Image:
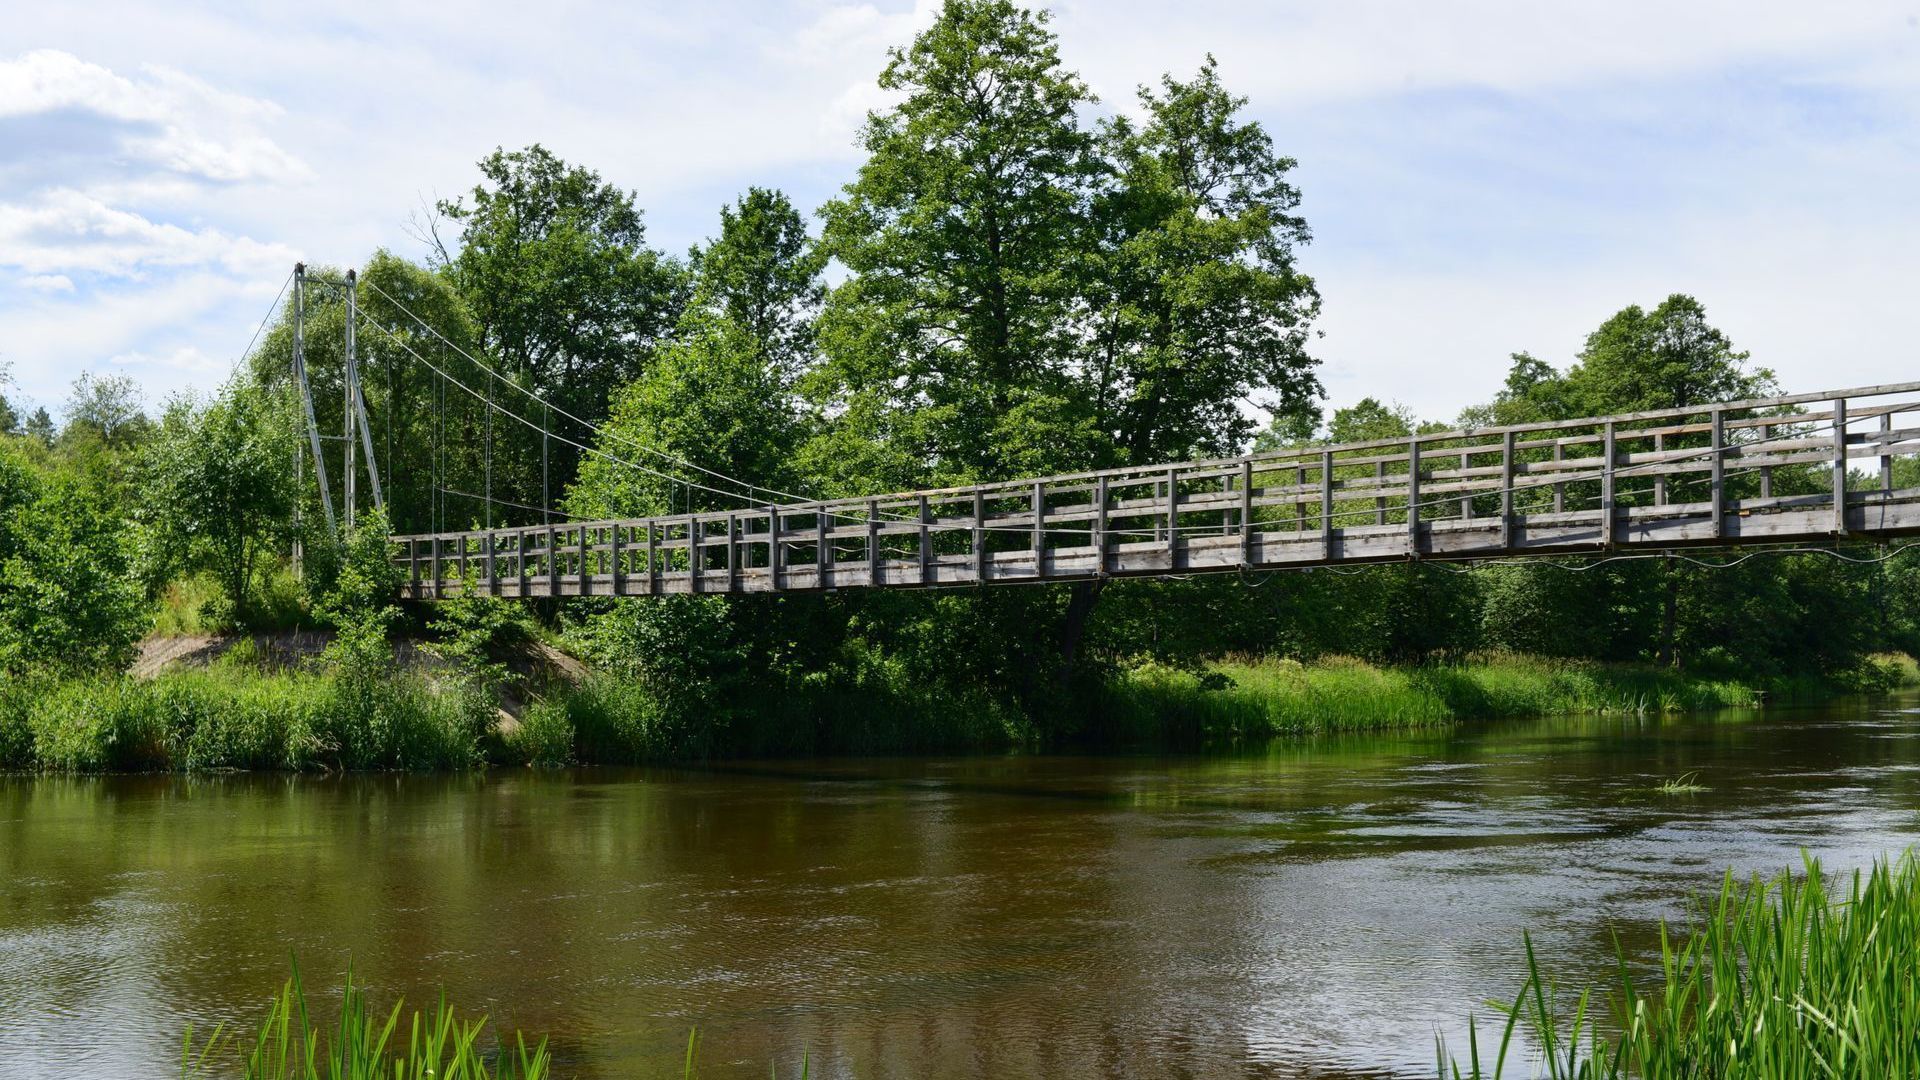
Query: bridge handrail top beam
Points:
[1308, 456]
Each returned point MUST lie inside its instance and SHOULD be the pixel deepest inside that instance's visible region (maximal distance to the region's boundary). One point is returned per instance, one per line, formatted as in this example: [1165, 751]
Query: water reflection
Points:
[1324, 906]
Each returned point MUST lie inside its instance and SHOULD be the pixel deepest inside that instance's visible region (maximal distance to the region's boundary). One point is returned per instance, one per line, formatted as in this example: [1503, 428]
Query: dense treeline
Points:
[1025, 284]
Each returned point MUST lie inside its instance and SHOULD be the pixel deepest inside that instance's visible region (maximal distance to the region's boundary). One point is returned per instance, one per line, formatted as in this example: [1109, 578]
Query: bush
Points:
[544, 736]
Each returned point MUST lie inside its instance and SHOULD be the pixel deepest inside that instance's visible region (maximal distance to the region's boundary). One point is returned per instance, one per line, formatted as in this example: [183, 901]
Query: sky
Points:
[1480, 178]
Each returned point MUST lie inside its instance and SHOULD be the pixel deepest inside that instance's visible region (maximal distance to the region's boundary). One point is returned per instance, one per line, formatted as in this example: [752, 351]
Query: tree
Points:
[1369, 420]
[1198, 304]
[215, 493]
[106, 409]
[763, 274]
[567, 299]
[963, 236]
[1667, 358]
[68, 601]
[710, 398]
[40, 426]
[9, 416]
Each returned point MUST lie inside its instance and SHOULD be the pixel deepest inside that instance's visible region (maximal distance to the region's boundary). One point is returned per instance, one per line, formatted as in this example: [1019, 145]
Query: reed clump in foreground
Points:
[1779, 980]
[289, 1045]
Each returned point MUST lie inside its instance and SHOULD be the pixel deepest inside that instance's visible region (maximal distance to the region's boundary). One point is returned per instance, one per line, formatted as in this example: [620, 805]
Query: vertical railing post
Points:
[1039, 529]
[1100, 526]
[1246, 511]
[926, 542]
[1766, 471]
[1413, 497]
[1326, 505]
[874, 575]
[1506, 491]
[653, 560]
[493, 579]
[1379, 501]
[979, 536]
[1719, 472]
[773, 548]
[1173, 519]
[733, 551]
[1886, 445]
[588, 559]
[1559, 489]
[1606, 485]
[1466, 487]
[553, 562]
[1660, 463]
[520, 545]
[822, 550]
[433, 556]
[413, 567]
[619, 558]
[696, 556]
[1840, 466]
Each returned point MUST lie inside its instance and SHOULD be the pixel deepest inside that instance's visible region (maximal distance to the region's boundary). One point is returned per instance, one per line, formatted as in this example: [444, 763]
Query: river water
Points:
[1323, 907]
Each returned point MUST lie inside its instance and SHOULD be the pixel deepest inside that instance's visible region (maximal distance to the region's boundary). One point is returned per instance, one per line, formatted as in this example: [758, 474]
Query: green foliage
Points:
[964, 234]
[231, 717]
[356, 594]
[290, 1045]
[472, 629]
[565, 299]
[1199, 303]
[68, 600]
[1775, 980]
[763, 276]
[545, 735]
[711, 397]
[106, 410]
[1159, 704]
[215, 495]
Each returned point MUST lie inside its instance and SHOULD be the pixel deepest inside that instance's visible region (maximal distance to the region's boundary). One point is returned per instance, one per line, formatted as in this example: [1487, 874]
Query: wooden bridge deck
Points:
[1796, 469]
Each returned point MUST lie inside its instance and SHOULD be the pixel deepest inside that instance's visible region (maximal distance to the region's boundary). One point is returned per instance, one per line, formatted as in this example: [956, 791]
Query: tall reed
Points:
[362, 1045]
[1779, 980]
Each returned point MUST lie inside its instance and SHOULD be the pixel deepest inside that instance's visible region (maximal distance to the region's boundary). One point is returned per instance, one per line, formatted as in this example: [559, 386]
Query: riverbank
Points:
[235, 714]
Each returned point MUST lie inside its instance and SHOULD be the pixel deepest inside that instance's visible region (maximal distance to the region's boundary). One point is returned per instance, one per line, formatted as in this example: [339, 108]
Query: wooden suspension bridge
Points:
[1792, 470]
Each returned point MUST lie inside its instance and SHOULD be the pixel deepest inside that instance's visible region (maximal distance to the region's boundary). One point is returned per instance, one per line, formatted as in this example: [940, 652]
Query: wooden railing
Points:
[1779, 470]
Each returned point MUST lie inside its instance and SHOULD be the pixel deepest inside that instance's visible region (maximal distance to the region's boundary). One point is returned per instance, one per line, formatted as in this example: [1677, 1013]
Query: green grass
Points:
[1261, 698]
[229, 717]
[196, 605]
[1684, 784]
[362, 1043]
[1777, 981]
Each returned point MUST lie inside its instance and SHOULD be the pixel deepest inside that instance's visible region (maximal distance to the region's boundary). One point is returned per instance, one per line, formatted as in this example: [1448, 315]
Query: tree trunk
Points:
[1670, 619]
[1079, 609]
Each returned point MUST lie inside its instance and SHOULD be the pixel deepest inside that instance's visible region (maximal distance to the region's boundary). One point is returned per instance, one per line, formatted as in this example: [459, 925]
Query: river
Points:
[1320, 907]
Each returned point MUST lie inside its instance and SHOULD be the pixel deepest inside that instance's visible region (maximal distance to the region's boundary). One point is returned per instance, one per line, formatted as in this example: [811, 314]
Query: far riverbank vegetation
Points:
[1102, 289]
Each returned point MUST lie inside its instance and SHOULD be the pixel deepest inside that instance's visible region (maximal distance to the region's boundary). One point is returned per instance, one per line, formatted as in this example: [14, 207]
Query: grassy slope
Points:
[248, 716]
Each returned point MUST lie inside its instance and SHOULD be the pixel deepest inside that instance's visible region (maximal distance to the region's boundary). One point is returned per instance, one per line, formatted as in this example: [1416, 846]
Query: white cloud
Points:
[47, 282]
[66, 232]
[170, 120]
[1480, 176]
[184, 359]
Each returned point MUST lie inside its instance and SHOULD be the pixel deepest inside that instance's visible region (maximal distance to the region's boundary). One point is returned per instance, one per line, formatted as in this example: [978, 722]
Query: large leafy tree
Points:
[1198, 302]
[215, 492]
[964, 235]
[762, 274]
[566, 299]
[68, 601]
